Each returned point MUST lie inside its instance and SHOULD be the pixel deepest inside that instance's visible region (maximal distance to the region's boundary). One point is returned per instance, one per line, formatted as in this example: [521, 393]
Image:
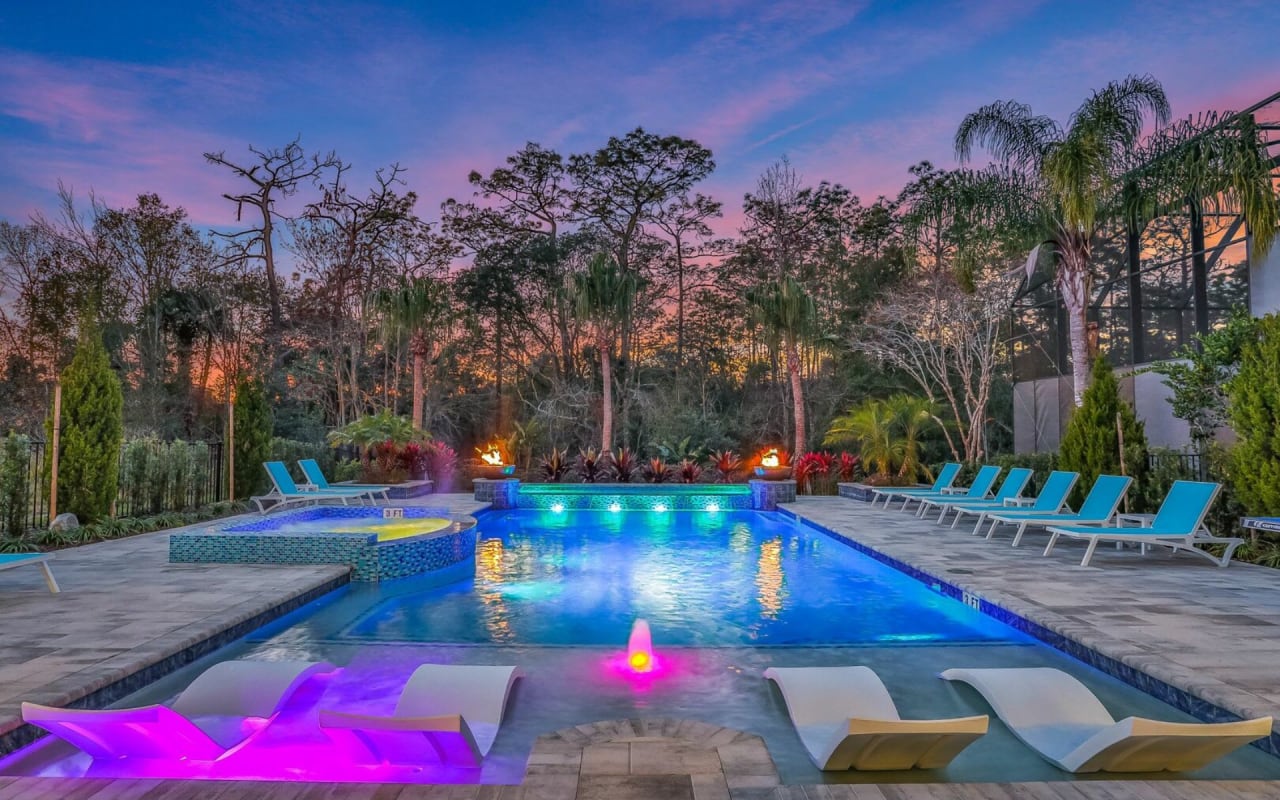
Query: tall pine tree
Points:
[1091, 444]
[92, 430]
[254, 424]
[1253, 405]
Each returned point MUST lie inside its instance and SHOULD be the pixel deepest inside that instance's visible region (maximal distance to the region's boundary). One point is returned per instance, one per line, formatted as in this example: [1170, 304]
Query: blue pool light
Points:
[615, 507]
[660, 507]
[713, 508]
[557, 508]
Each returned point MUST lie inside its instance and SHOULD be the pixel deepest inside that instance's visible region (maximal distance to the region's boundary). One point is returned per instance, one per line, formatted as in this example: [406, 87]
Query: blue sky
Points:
[123, 98]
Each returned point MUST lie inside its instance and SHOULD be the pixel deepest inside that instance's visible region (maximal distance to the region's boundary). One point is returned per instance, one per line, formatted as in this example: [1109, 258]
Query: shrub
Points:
[1091, 444]
[655, 470]
[442, 462]
[253, 425]
[727, 464]
[690, 471]
[624, 465]
[847, 467]
[15, 484]
[554, 465]
[291, 451]
[591, 467]
[92, 430]
[1253, 404]
[813, 473]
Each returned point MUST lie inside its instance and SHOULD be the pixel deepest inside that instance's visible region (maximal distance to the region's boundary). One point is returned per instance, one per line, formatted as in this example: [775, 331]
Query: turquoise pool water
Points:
[701, 579]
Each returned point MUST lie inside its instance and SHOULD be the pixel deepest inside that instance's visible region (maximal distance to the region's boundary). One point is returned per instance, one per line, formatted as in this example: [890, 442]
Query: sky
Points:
[123, 98]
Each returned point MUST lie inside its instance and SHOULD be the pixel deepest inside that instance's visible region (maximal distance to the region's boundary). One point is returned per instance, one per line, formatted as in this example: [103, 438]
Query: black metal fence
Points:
[155, 477]
[1193, 465]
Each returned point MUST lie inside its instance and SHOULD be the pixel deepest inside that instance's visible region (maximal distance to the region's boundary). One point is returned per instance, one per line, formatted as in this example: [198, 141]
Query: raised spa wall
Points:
[757, 494]
[369, 559]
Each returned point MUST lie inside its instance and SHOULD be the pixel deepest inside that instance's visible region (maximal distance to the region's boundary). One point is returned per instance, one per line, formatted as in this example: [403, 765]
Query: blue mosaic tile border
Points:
[649, 499]
[369, 559]
[1178, 698]
[24, 734]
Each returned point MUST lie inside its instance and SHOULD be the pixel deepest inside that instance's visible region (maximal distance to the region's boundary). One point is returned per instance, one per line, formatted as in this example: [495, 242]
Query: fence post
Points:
[53, 463]
[231, 448]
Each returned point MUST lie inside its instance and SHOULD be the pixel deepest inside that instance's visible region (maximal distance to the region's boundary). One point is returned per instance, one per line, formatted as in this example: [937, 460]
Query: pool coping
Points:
[1047, 628]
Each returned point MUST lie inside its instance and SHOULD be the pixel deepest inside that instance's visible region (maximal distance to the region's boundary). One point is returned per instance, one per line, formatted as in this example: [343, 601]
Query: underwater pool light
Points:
[615, 507]
[557, 508]
[660, 507]
[713, 507]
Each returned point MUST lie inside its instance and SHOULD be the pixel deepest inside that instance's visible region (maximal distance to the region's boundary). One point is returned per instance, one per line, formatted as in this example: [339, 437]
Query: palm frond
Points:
[1010, 132]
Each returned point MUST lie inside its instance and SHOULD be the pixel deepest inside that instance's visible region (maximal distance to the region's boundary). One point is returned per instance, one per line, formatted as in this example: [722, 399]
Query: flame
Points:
[770, 459]
[491, 455]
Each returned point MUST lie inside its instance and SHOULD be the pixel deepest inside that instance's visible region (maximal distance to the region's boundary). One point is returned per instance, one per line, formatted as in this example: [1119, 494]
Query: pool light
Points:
[557, 508]
[615, 507]
[660, 507]
[713, 508]
[640, 647]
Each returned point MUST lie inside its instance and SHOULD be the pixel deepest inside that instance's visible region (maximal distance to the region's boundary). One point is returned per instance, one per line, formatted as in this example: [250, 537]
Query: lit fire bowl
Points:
[496, 472]
[773, 473]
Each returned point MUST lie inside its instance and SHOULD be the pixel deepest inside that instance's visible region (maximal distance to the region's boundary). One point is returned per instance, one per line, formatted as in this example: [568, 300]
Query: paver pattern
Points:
[1212, 632]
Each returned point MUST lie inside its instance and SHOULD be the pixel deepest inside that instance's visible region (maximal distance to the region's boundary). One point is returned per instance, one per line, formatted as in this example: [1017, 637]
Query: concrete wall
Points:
[1264, 282]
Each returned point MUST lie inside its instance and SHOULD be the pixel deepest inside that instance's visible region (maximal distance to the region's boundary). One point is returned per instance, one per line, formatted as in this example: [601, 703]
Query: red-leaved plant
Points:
[727, 465]
[656, 470]
[624, 465]
[690, 471]
[811, 468]
[555, 465]
[413, 460]
[591, 467]
[848, 466]
[441, 461]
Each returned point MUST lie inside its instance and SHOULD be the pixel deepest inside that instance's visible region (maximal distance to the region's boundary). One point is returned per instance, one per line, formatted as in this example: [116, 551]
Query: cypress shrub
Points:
[1091, 444]
[253, 437]
[15, 480]
[92, 431]
[1253, 405]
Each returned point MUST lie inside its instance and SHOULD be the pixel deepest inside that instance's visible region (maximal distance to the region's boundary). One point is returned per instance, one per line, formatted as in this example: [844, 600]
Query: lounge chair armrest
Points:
[955, 490]
[1020, 502]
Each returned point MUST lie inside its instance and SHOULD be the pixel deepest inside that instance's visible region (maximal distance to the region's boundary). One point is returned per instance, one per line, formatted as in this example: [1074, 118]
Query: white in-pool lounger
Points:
[847, 720]
[204, 723]
[454, 710]
[1058, 717]
[11, 560]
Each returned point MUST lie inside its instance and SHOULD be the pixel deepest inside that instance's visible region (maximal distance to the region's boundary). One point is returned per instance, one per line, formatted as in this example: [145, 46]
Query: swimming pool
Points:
[727, 593]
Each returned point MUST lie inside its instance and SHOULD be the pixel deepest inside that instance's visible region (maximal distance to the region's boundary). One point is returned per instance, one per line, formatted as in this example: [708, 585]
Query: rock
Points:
[64, 522]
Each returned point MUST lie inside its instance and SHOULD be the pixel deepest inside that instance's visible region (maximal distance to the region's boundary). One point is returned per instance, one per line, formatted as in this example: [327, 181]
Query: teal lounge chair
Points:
[978, 490]
[285, 492]
[1177, 525]
[11, 560]
[1051, 500]
[1098, 508]
[315, 477]
[946, 477]
[1010, 489]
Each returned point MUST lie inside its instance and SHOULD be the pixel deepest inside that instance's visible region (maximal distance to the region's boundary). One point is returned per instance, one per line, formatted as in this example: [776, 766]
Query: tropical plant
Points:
[604, 296]
[253, 428]
[789, 317]
[679, 451]
[1254, 408]
[1092, 444]
[442, 461]
[689, 471]
[655, 470]
[727, 464]
[92, 430]
[812, 469]
[624, 464]
[416, 309]
[374, 429]
[413, 459]
[888, 434]
[847, 466]
[591, 467]
[554, 465]
[1079, 169]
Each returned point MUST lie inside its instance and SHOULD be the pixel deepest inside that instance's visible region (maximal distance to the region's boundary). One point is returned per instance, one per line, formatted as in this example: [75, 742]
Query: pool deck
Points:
[1213, 633]
[125, 610]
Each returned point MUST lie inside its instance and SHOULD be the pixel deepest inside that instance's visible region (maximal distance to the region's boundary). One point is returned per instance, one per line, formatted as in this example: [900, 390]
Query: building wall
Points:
[1264, 283]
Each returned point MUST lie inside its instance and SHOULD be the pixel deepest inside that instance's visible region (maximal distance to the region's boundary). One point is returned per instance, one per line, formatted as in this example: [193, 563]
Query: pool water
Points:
[323, 520]
[701, 579]
[727, 595]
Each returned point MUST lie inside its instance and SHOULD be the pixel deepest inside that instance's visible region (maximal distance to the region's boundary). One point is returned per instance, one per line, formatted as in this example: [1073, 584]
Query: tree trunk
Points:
[797, 398]
[269, 262]
[1073, 284]
[606, 402]
[419, 356]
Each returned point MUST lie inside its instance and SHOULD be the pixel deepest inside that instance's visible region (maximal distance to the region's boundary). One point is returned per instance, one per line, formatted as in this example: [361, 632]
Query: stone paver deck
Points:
[124, 608]
[1212, 632]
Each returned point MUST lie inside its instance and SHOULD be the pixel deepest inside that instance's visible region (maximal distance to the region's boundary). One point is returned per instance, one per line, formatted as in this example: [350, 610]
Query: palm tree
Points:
[604, 296]
[872, 427]
[911, 415]
[1080, 167]
[789, 316]
[416, 308]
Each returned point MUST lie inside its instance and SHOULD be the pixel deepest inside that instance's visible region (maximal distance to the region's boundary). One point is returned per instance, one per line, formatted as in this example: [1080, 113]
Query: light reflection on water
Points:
[701, 579]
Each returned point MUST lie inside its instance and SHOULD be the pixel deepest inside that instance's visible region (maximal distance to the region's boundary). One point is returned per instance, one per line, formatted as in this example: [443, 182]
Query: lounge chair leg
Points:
[991, 529]
[956, 520]
[1017, 537]
[1088, 553]
[977, 526]
[48, 577]
[1053, 539]
[1231, 549]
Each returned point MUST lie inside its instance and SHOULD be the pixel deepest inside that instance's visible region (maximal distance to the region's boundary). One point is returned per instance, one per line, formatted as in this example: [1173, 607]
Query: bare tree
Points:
[949, 341]
[684, 220]
[277, 174]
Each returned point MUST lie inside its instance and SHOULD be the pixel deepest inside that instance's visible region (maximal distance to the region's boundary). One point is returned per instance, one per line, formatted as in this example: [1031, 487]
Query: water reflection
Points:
[769, 589]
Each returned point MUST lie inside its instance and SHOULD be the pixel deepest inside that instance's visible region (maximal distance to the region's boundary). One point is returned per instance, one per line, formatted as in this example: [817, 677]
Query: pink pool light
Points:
[640, 648]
